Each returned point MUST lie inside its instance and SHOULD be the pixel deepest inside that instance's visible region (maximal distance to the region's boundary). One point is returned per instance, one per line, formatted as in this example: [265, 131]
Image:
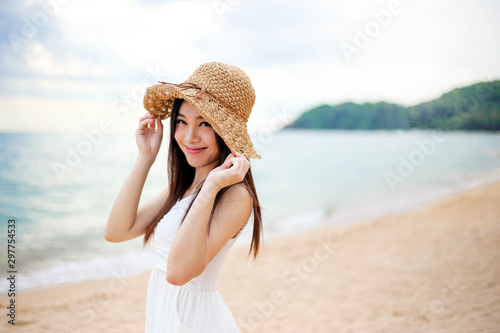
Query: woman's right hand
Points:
[149, 135]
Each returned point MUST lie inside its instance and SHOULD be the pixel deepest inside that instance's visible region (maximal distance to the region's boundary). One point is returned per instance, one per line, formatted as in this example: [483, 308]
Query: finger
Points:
[229, 157]
[228, 163]
[160, 126]
[237, 157]
[145, 123]
[147, 115]
[240, 155]
[242, 165]
[239, 165]
[238, 171]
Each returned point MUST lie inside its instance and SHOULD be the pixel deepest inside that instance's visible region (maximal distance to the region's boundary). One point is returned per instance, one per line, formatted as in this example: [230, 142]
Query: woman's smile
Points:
[194, 150]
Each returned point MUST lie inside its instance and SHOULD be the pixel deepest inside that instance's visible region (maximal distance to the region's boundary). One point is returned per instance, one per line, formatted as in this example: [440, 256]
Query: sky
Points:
[68, 65]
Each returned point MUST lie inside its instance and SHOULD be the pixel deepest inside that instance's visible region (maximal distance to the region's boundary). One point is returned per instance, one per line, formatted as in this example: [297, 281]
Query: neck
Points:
[201, 174]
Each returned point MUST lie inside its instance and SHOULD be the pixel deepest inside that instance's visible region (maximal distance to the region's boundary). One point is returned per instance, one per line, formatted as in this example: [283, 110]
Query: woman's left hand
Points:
[232, 171]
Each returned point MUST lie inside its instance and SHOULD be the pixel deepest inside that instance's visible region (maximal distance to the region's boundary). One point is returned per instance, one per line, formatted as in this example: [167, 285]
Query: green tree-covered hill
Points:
[476, 107]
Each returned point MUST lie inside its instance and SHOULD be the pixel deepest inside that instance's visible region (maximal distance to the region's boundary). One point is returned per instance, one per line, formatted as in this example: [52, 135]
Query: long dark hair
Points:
[181, 176]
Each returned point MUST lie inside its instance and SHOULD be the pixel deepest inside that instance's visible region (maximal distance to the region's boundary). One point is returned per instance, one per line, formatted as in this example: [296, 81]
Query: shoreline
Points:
[429, 268]
[344, 217]
[347, 218]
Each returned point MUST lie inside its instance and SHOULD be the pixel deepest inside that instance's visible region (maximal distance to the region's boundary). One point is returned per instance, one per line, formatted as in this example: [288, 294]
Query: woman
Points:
[210, 197]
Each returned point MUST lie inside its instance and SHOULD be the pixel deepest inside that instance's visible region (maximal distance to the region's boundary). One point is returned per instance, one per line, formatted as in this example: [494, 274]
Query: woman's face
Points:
[195, 137]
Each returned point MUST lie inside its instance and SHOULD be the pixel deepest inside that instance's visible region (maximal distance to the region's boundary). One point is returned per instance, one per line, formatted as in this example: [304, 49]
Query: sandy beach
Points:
[436, 269]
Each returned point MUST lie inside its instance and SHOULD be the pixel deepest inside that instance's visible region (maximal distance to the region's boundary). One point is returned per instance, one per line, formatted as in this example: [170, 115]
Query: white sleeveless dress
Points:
[195, 306]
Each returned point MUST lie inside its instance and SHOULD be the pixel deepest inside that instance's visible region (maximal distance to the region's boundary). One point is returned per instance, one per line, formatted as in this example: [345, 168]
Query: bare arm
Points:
[192, 248]
[125, 220]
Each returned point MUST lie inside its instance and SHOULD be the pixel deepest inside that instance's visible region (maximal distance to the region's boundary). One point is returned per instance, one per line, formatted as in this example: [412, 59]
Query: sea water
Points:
[60, 188]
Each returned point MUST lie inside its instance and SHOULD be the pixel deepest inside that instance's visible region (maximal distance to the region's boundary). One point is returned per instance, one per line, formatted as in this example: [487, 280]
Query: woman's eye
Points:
[180, 121]
[205, 124]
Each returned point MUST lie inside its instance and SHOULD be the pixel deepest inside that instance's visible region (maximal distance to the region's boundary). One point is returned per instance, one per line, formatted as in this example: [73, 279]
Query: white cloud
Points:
[42, 61]
[165, 34]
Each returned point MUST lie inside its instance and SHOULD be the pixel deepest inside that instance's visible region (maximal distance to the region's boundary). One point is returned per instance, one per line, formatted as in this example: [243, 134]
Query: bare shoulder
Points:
[233, 211]
[238, 192]
[236, 200]
[236, 203]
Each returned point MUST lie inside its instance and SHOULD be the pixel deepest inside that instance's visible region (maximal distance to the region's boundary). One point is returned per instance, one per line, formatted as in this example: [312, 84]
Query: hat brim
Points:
[159, 100]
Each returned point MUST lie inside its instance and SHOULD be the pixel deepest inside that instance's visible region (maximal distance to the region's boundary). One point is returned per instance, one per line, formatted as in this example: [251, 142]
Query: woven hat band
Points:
[202, 90]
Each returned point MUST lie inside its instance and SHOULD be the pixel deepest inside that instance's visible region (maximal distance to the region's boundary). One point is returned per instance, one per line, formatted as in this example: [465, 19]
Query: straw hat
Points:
[222, 94]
